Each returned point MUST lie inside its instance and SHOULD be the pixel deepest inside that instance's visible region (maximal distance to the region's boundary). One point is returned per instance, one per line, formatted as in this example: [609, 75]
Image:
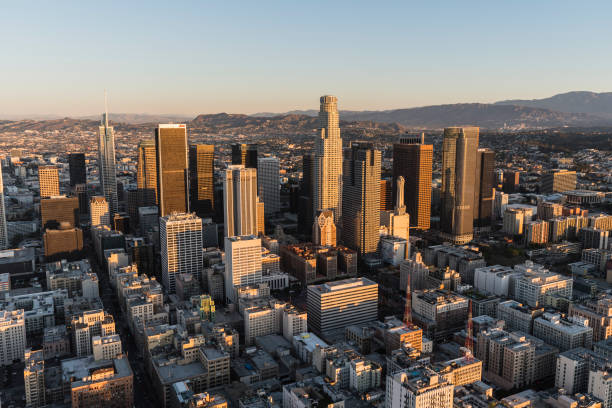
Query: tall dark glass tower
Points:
[459, 183]
[77, 169]
[172, 168]
[245, 154]
[201, 179]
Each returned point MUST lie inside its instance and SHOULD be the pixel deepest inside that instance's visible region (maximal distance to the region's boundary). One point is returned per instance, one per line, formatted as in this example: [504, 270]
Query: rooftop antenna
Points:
[105, 110]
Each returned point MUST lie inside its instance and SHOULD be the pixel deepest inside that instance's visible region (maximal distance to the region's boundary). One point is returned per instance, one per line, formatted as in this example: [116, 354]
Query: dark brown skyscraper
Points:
[78, 171]
[172, 168]
[483, 200]
[511, 181]
[412, 159]
[459, 158]
[201, 184]
[245, 154]
[305, 213]
[361, 198]
[386, 203]
[146, 177]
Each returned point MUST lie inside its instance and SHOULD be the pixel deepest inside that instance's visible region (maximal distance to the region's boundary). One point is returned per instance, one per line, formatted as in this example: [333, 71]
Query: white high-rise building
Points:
[268, 179]
[12, 336]
[242, 263]
[418, 388]
[180, 237]
[240, 201]
[34, 378]
[106, 163]
[100, 212]
[4, 242]
[328, 159]
[600, 386]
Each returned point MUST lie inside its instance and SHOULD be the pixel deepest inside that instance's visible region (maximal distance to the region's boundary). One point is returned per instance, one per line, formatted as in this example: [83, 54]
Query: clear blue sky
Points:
[188, 57]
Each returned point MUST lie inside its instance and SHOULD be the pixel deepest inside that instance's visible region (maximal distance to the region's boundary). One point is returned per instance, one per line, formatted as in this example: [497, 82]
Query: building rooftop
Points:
[340, 285]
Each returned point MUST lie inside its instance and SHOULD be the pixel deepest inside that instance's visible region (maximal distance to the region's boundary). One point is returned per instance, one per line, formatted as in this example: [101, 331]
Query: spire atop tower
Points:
[105, 110]
[399, 197]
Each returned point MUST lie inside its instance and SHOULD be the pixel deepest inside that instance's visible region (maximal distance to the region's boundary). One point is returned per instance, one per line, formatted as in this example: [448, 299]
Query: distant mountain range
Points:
[576, 109]
[598, 104]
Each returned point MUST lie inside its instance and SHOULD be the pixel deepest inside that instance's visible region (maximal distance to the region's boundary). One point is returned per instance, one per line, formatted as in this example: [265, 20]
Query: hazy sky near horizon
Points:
[189, 57]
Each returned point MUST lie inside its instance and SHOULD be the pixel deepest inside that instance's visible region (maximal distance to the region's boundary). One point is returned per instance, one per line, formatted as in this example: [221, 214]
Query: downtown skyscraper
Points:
[361, 198]
[327, 191]
[245, 154]
[106, 163]
[4, 243]
[412, 160]
[485, 192]
[201, 179]
[240, 201]
[268, 180]
[180, 237]
[172, 168]
[459, 183]
[48, 181]
[77, 169]
[146, 176]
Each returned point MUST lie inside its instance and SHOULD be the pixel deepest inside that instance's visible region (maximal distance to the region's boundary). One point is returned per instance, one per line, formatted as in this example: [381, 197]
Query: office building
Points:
[558, 181]
[244, 154]
[180, 237]
[107, 171]
[86, 326]
[573, 367]
[100, 211]
[418, 387]
[48, 181]
[537, 232]
[324, 229]
[484, 194]
[77, 169]
[416, 270]
[515, 219]
[64, 243]
[595, 238]
[565, 334]
[268, 180]
[97, 383]
[598, 312]
[532, 287]
[12, 336]
[334, 305]
[396, 223]
[34, 378]
[327, 186]
[439, 313]
[295, 322]
[201, 179]
[547, 211]
[600, 386]
[361, 198]
[305, 200]
[146, 174]
[511, 181]
[240, 201]
[148, 219]
[412, 160]
[518, 317]
[459, 158]
[463, 259]
[243, 263]
[386, 195]
[172, 169]
[59, 211]
[500, 204]
[514, 360]
[4, 242]
[106, 347]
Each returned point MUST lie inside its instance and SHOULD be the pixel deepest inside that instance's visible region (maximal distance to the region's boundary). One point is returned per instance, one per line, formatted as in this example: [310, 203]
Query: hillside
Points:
[598, 104]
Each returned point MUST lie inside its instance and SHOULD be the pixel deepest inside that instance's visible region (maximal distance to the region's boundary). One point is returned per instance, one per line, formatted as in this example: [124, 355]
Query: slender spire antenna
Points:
[105, 109]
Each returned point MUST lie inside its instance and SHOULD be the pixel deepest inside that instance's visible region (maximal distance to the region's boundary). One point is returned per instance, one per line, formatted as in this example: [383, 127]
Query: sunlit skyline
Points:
[208, 57]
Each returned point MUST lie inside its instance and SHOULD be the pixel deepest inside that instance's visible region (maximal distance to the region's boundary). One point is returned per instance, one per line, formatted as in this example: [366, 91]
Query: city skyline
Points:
[373, 65]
